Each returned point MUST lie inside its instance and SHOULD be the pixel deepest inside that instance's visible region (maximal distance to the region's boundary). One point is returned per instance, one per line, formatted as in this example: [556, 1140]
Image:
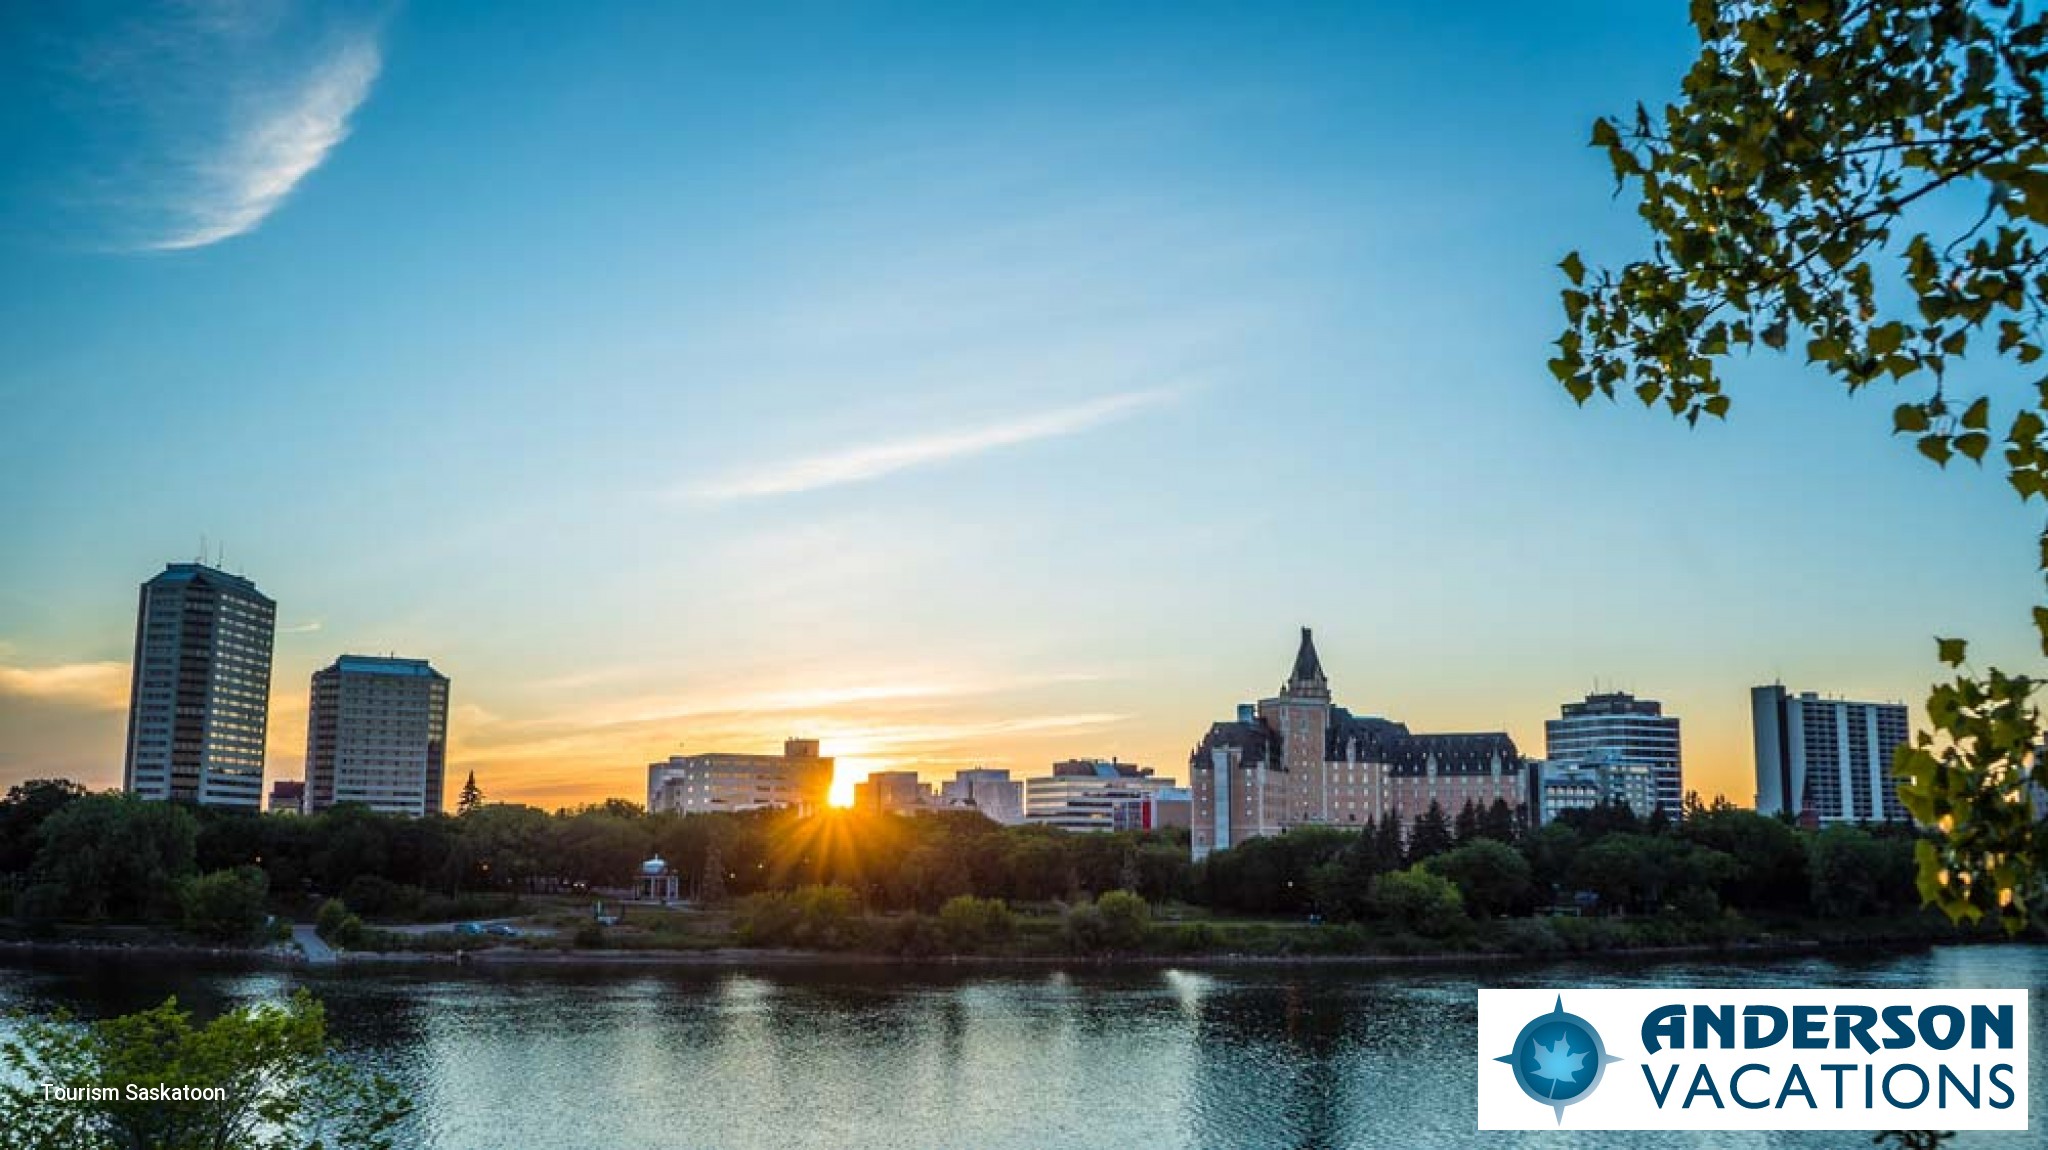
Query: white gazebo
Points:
[658, 882]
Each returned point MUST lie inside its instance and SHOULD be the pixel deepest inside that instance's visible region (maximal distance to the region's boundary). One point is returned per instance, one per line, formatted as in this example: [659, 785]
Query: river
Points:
[893, 1058]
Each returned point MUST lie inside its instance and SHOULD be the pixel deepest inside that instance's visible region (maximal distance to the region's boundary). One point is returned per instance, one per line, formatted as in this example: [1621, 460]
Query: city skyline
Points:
[1015, 409]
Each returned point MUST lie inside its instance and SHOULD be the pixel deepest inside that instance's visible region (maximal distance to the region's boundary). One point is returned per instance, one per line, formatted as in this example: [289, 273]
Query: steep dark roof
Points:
[1382, 741]
[1307, 667]
[1257, 742]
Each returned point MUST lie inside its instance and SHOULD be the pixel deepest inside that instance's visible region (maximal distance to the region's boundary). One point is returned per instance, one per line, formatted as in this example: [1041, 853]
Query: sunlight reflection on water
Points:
[993, 1059]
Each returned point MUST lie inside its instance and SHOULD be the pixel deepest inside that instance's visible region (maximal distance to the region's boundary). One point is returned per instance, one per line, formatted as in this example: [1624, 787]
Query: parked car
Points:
[469, 928]
[500, 930]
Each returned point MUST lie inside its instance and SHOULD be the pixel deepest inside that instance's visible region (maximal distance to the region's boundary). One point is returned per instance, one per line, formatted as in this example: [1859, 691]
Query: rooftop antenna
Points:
[202, 548]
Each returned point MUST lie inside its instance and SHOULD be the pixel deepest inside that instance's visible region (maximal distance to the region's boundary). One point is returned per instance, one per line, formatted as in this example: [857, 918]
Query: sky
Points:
[954, 384]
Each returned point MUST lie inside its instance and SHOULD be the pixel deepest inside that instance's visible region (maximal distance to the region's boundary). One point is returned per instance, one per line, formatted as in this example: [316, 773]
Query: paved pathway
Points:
[318, 953]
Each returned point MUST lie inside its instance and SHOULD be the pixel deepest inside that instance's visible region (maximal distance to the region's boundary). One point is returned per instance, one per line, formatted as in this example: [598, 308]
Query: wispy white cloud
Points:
[310, 627]
[99, 686]
[876, 460]
[282, 137]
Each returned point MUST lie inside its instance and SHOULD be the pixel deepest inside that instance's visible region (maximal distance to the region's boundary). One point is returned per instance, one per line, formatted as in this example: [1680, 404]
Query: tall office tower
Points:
[199, 698]
[1826, 760]
[377, 735]
[1618, 728]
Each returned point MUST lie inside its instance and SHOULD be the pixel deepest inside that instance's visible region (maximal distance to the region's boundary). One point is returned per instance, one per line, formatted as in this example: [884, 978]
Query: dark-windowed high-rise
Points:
[1826, 760]
[199, 699]
[1618, 728]
[377, 734]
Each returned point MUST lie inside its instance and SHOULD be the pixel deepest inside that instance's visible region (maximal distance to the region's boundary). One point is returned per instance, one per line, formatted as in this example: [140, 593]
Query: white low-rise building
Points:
[719, 781]
[989, 790]
[1097, 795]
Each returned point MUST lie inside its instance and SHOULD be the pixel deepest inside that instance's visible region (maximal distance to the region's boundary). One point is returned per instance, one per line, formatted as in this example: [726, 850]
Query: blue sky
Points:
[954, 383]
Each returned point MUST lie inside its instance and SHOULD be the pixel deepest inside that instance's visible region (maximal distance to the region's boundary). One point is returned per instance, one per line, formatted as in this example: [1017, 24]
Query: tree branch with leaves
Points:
[281, 1088]
[1865, 181]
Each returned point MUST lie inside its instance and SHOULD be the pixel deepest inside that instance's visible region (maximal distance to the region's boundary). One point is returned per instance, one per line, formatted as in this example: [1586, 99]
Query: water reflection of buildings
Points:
[1275, 1067]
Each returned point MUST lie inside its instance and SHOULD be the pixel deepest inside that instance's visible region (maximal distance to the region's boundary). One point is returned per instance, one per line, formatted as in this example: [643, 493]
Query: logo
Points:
[1753, 1058]
[1558, 1059]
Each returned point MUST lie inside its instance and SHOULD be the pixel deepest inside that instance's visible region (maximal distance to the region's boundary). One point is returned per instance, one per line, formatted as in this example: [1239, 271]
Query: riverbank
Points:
[510, 957]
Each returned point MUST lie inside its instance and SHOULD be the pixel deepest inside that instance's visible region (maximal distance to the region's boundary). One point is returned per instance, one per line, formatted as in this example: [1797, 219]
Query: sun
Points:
[848, 770]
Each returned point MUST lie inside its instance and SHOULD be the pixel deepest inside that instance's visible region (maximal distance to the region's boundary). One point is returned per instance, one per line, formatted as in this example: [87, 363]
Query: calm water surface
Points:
[1032, 1059]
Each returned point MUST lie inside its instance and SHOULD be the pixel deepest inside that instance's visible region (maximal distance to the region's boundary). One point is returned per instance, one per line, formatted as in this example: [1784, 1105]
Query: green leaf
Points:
[1951, 651]
[1978, 415]
[1574, 268]
[1909, 418]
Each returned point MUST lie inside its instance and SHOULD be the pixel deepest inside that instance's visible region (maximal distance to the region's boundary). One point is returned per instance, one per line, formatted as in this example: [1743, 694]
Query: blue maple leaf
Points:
[1557, 1062]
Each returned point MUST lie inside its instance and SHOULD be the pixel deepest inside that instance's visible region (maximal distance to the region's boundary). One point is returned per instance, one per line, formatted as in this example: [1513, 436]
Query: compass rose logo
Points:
[1558, 1059]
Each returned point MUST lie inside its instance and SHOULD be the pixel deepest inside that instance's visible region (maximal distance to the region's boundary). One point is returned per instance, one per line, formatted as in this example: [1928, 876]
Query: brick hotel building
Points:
[1297, 760]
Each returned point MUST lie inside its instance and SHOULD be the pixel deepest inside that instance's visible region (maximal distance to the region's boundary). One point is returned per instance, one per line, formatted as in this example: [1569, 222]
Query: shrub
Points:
[372, 895]
[919, 936]
[1529, 936]
[811, 917]
[1081, 928]
[1126, 919]
[1342, 938]
[40, 906]
[968, 924]
[332, 913]
[349, 934]
[227, 905]
[1193, 938]
[1585, 934]
[589, 936]
[1419, 900]
[1118, 921]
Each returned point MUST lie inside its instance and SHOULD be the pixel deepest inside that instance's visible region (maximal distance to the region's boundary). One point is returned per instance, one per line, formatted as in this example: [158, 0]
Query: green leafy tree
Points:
[810, 917]
[1770, 860]
[1419, 900]
[117, 856]
[1125, 919]
[507, 844]
[226, 905]
[1491, 877]
[281, 1087]
[1866, 184]
[1859, 873]
[1551, 851]
[970, 924]
[1342, 888]
[22, 811]
[711, 886]
[1116, 922]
